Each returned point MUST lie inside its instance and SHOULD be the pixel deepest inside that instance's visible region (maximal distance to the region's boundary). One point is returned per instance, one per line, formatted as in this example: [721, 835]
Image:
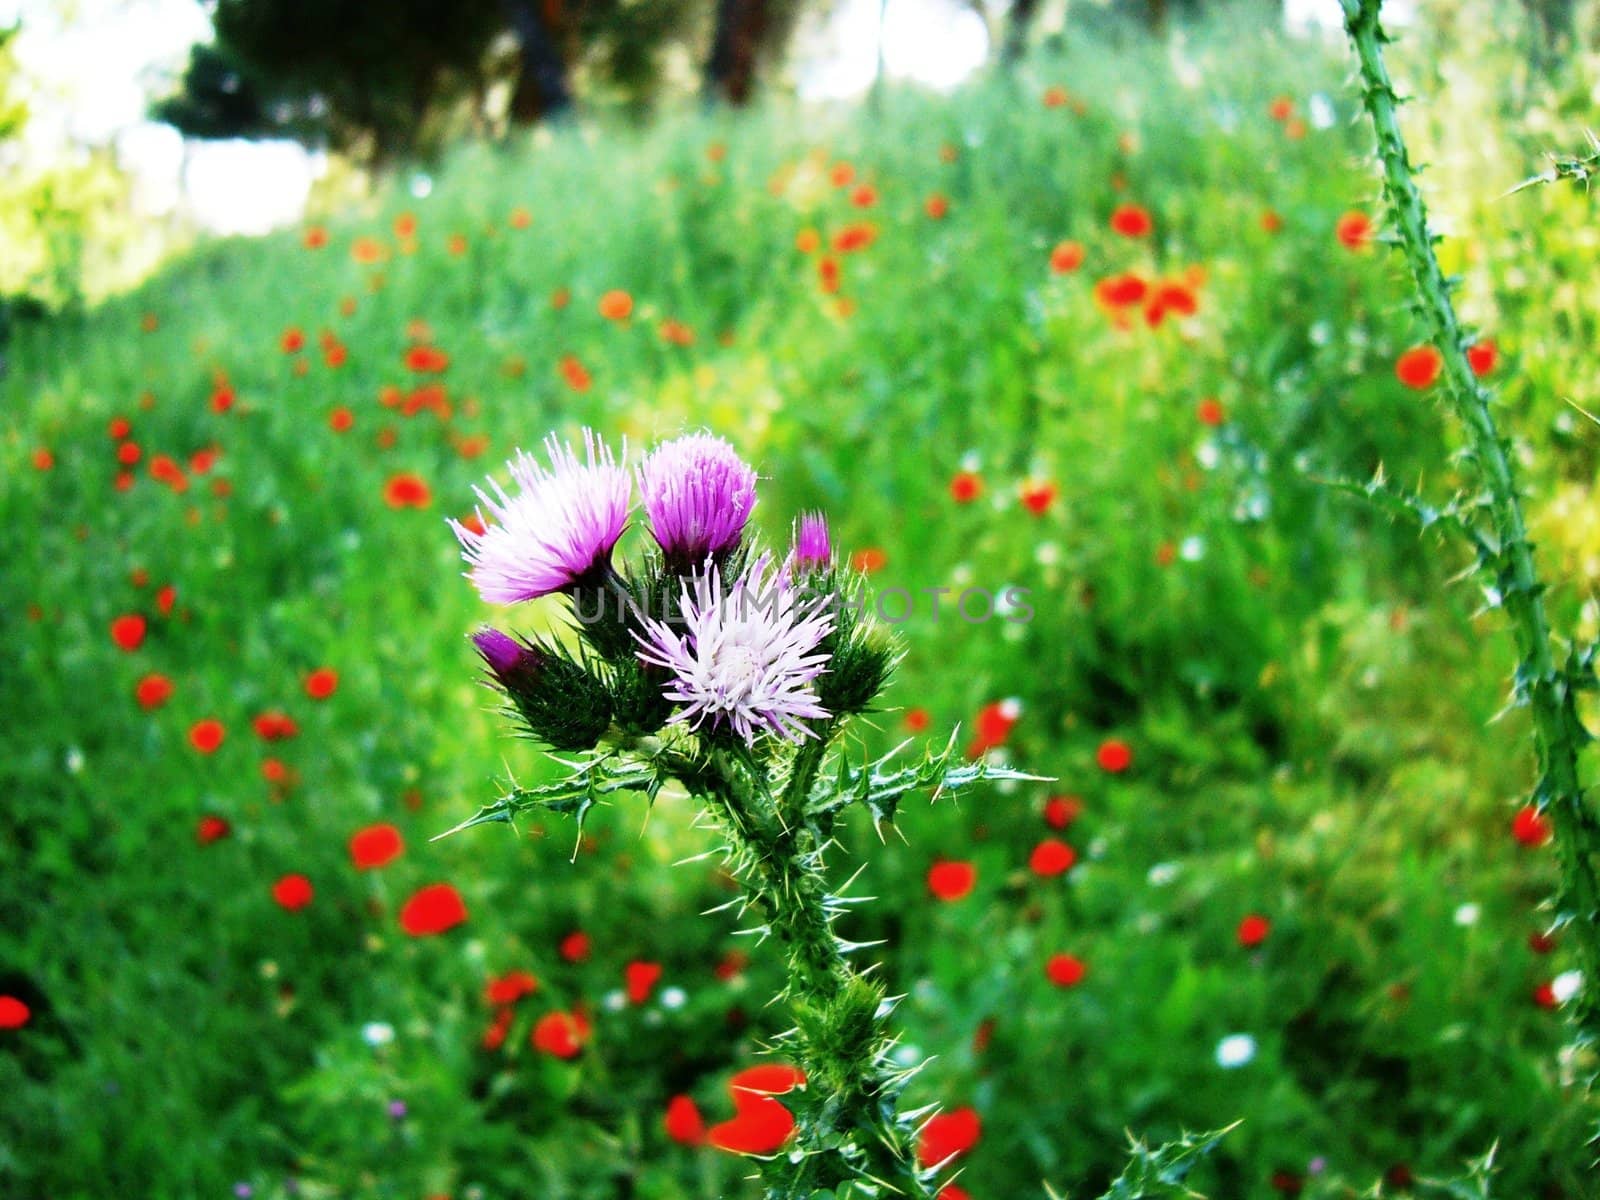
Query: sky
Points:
[93, 65]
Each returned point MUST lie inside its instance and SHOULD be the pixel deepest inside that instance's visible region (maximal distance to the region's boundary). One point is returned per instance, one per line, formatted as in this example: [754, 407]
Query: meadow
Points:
[1105, 331]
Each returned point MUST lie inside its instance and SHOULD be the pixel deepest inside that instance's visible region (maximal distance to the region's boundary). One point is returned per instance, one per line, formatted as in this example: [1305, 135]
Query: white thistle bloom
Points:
[747, 659]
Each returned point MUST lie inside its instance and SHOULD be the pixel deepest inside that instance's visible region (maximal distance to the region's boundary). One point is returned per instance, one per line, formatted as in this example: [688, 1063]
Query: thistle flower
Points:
[748, 659]
[698, 494]
[813, 550]
[559, 528]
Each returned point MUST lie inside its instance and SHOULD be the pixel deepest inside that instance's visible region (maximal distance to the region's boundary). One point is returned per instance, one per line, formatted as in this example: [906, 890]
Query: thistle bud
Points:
[559, 701]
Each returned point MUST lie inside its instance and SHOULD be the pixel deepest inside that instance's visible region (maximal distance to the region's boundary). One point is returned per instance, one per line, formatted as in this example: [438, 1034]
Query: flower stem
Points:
[848, 1125]
[1546, 688]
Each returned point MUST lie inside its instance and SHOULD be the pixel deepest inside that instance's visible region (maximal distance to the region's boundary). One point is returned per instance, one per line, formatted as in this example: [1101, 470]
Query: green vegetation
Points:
[1263, 697]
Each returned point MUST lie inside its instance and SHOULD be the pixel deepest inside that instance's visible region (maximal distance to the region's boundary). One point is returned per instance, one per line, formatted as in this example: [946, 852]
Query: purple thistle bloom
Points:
[813, 550]
[559, 528]
[748, 659]
[698, 494]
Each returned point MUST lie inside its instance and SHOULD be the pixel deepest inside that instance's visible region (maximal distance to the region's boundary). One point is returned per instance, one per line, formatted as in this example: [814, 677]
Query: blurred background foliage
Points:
[1310, 701]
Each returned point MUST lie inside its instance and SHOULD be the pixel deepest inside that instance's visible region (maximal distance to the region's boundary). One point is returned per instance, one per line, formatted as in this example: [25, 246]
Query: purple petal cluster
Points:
[559, 527]
[813, 549]
[698, 494]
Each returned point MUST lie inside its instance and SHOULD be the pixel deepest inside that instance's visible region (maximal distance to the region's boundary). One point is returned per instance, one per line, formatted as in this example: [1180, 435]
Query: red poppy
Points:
[1170, 298]
[807, 241]
[1418, 367]
[510, 987]
[965, 487]
[521, 218]
[828, 274]
[119, 428]
[1114, 756]
[406, 490]
[1037, 497]
[1130, 220]
[917, 720]
[616, 305]
[575, 946]
[14, 1014]
[127, 631]
[1530, 827]
[341, 419]
[1281, 108]
[1065, 970]
[575, 373]
[315, 238]
[495, 1036]
[1066, 257]
[273, 770]
[761, 1127]
[766, 1079]
[936, 206]
[641, 979]
[676, 333]
[1545, 996]
[1354, 230]
[432, 910]
[865, 196]
[211, 828]
[129, 453]
[948, 1135]
[1253, 930]
[165, 470]
[426, 360]
[206, 735]
[1271, 222]
[275, 726]
[153, 691]
[869, 560]
[684, 1123]
[1054, 97]
[321, 683]
[856, 236]
[1121, 291]
[951, 880]
[993, 726]
[560, 1034]
[951, 1191]
[1062, 811]
[43, 459]
[1209, 411]
[293, 340]
[366, 250]
[1541, 943]
[1052, 857]
[1482, 357]
[375, 846]
[292, 892]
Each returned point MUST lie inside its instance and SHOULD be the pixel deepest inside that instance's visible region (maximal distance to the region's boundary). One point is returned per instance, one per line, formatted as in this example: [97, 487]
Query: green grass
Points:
[1306, 694]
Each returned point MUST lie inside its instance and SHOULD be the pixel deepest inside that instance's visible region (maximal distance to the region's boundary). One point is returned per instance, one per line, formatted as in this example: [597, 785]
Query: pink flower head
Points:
[748, 659]
[559, 528]
[698, 494]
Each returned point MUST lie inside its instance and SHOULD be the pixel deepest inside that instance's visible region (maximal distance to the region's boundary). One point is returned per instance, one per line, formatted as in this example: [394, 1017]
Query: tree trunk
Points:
[731, 67]
[542, 90]
[1018, 21]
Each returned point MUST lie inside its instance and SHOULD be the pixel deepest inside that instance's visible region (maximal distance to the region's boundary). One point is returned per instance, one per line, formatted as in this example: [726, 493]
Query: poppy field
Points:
[1074, 362]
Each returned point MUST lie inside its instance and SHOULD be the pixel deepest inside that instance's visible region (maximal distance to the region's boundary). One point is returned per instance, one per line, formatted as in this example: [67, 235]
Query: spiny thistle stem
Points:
[848, 1126]
[1546, 688]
